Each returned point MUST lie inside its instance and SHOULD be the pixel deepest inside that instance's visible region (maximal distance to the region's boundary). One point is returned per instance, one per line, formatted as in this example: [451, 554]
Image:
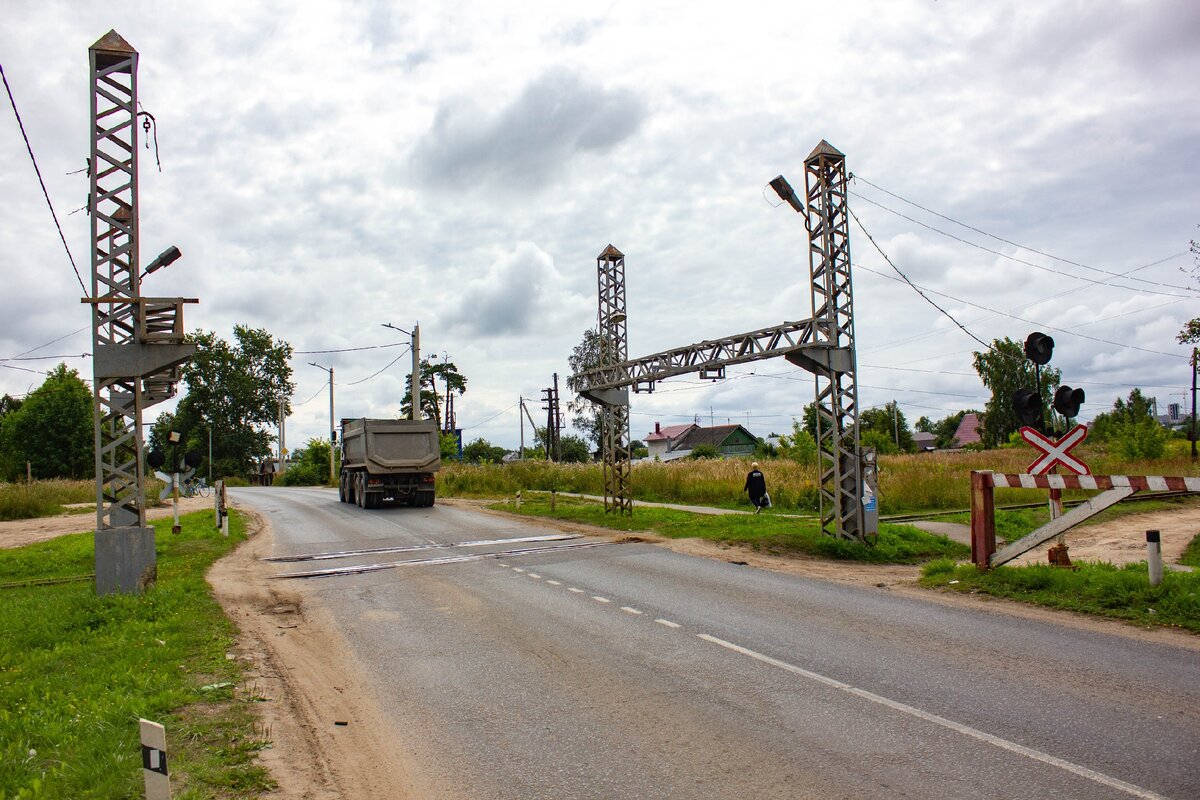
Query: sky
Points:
[330, 167]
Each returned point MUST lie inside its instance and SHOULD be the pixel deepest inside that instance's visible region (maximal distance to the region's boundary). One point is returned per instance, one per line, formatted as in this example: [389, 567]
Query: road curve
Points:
[631, 671]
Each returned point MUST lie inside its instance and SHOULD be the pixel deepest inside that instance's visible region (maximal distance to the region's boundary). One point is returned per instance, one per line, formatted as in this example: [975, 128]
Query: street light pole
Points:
[332, 429]
[1195, 361]
[416, 365]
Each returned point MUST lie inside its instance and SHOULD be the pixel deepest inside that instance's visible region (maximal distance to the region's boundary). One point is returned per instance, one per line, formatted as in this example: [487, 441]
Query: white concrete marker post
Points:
[1154, 557]
[154, 760]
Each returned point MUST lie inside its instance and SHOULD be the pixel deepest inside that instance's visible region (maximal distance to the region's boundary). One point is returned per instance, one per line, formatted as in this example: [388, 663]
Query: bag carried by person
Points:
[766, 501]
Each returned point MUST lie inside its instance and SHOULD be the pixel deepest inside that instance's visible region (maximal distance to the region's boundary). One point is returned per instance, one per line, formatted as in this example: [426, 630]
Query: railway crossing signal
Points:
[1056, 451]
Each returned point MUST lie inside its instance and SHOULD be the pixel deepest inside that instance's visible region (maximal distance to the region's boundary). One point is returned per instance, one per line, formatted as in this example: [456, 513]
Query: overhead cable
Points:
[1002, 239]
[45, 193]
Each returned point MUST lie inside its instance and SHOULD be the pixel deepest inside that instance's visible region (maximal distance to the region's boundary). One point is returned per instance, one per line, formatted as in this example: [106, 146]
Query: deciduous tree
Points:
[52, 429]
[1004, 369]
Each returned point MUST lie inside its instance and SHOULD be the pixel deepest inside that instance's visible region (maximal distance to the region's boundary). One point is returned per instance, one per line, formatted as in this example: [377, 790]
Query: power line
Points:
[347, 349]
[1009, 242]
[489, 419]
[47, 344]
[375, 374]
[45, 193]
[916, 288]
[1029, 322]
[314, 397]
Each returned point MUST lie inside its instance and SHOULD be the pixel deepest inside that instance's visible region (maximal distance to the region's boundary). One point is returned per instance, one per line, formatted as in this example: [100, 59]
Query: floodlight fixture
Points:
[786, 193]
[395, 328]
[165, 259]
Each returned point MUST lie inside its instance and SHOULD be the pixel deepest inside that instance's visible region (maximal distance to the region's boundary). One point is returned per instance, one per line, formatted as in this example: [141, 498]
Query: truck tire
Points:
[341, 488]
[360, 493]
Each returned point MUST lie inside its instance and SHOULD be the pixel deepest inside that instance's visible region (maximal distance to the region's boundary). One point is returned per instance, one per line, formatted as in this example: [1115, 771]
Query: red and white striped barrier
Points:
[1142, 483]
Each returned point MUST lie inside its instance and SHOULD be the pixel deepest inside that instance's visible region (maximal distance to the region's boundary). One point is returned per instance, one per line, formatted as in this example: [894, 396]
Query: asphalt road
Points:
[630, 671]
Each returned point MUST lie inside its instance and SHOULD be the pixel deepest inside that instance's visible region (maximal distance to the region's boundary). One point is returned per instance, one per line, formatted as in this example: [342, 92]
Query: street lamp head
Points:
[786, 193]
[165, 259]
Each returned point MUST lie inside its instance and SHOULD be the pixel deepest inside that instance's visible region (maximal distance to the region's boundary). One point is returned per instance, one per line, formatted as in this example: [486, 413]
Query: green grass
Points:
[907, 483]
[1191, 556]
[1101, 589]
[43, 498]
[768, 533]
[77, 670]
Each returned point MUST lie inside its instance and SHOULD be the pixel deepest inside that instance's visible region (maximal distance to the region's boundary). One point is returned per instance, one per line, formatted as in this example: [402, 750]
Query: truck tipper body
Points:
[389, 461]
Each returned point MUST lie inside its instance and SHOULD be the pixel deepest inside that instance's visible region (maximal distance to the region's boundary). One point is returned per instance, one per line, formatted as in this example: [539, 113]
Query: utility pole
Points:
[1195, 361]
[895, 423]
[137, 342]
[521, 420]
[332, 428]
[416, 364]
[282, 443]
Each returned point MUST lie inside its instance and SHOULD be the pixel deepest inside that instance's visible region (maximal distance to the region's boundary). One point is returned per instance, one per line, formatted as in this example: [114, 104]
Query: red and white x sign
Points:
[1056, 451]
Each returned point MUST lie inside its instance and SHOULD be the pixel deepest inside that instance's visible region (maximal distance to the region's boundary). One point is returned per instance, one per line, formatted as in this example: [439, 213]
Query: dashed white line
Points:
[629, 610]
[517, 569]
[533, 575]
[600, 599]
[498, 564]
[553, 583]
[668, 623]
[573, 589]
[1036, 755]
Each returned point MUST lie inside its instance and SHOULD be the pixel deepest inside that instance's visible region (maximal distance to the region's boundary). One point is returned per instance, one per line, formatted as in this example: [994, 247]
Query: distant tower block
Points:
[614, 349]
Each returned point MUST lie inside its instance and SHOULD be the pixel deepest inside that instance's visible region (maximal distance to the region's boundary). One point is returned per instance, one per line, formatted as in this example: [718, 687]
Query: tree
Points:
[637, 449]
[1130, 428]
[52, 429]
[887, 422]
[575, 449]
[310, 466]
[704, 451]
[1004, 369]
[235, 391]
[481, 451]
[800, 446]
[586, 414]
[433, 398]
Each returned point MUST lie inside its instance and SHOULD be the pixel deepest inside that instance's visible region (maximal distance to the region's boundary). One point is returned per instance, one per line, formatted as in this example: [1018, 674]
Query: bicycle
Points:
[194, 487]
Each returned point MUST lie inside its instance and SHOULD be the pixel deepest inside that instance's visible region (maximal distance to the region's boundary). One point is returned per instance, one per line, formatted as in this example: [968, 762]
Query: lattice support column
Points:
[614, 349]
[833, 323]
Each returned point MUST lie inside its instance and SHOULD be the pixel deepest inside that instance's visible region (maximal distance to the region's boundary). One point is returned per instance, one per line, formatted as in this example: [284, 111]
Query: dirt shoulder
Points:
[328, 737]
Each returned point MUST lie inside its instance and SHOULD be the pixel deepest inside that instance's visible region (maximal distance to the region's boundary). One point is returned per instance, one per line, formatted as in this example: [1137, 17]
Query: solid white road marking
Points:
[600, 599]
[553, 583]
[668, 623]
[958, 727]
[629, 610]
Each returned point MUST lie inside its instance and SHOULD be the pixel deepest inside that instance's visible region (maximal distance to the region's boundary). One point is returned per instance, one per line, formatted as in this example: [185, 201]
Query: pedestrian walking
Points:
[756, 485]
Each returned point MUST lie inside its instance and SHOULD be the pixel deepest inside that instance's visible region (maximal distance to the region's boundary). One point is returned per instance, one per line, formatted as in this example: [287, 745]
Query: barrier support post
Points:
[983, 519]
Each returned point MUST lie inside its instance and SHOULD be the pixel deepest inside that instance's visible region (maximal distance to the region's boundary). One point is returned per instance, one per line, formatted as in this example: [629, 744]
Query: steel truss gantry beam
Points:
[823, 345]
[137, 342]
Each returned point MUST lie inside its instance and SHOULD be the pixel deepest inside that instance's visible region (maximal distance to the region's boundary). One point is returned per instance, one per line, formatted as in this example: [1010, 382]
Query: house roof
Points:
[968, 430]
[715, 436]
[669, 432]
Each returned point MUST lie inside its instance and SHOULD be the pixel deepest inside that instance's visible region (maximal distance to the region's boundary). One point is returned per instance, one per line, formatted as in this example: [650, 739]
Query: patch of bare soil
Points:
[328, 737]
[20, 532]
[1123, 541]
[902, 579]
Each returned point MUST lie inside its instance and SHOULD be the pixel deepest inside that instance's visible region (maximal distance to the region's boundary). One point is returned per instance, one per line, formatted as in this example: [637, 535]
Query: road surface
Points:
[631, 671]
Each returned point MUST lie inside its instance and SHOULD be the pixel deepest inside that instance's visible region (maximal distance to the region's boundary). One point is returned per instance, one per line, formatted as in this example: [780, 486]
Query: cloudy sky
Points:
[329, 167]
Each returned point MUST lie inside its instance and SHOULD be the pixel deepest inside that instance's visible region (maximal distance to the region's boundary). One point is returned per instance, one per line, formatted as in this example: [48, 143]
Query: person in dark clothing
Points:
[756, 485]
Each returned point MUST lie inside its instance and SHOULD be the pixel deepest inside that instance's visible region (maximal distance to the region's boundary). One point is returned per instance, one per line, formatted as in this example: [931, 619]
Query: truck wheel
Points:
[342, 489]
[360, 493]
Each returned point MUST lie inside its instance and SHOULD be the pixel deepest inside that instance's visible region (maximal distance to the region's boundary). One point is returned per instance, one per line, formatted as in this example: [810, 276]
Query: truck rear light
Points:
[375, 482]
[428, 479]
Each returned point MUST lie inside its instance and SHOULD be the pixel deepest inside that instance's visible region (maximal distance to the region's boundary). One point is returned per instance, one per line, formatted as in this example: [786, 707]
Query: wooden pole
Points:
[983, 519]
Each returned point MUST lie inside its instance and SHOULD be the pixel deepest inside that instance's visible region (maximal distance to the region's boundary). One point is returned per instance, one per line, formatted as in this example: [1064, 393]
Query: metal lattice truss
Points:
[137, 342]
[614, 349]
[833, 359]
[823, 345]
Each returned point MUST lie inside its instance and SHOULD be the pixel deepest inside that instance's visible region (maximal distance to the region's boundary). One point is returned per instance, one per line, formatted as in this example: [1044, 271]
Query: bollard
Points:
[518, 500]
[553, 496]
[175, 502]
[154, 760]
[1154, 557]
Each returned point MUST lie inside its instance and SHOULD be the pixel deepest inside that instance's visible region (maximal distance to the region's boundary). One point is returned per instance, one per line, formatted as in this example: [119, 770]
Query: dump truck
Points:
[389, 461]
